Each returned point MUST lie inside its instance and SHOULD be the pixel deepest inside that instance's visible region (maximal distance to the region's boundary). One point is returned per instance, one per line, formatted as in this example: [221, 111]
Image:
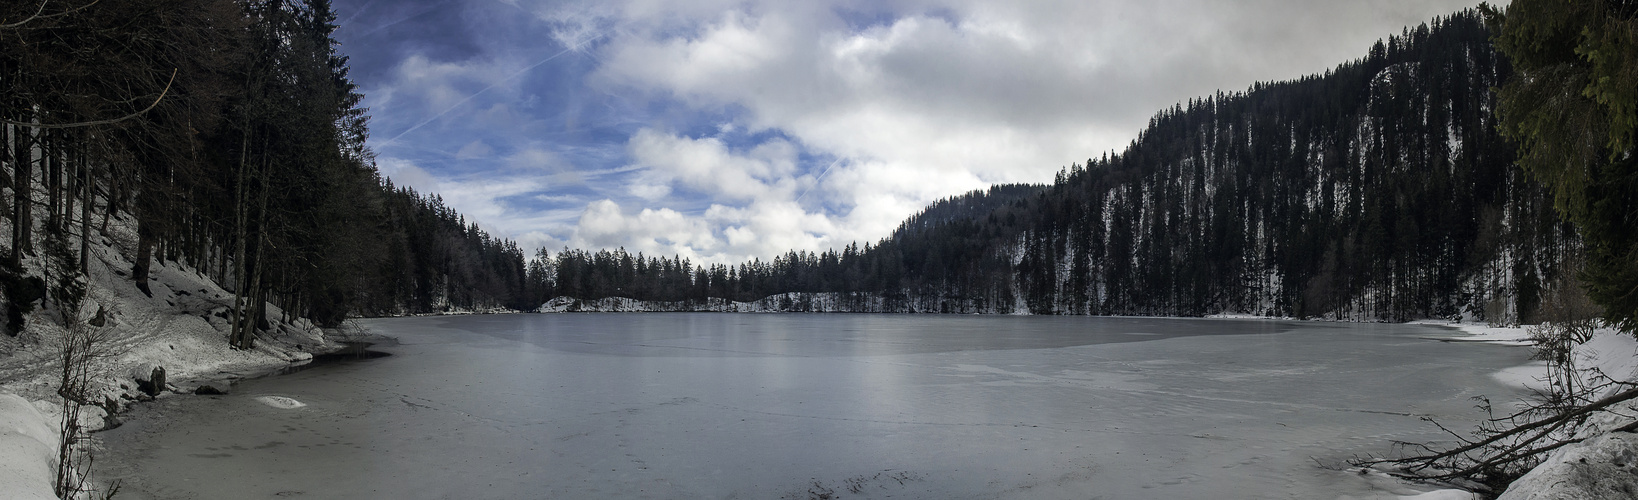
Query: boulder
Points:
[150, 378]
[1604, 467]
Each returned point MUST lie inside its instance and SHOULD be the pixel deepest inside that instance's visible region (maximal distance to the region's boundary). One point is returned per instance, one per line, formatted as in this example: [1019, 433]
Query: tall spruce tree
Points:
[1573, 110]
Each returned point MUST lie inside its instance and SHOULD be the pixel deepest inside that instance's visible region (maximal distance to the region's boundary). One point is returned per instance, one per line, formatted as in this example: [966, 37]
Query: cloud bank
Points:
[722, 131]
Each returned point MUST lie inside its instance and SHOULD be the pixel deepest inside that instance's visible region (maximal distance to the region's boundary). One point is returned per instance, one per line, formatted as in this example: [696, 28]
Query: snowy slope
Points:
[28, 445]
[182, 328]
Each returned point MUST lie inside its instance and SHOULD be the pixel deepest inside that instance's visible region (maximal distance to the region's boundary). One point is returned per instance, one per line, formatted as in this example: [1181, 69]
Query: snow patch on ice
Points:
[1480, 332]
[1530, 376]
[280, 402]
[1444, 495]
[1235, 315]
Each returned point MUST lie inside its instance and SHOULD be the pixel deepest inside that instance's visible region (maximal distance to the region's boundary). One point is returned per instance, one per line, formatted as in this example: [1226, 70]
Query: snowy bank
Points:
[1480, 332]
[28, 448]
[181, 328]
[1605, 464]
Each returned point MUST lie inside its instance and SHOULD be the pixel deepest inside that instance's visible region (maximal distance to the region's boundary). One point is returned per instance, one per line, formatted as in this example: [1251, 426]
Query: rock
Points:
[101, 318]
[150, 378]
[208, 390]
[1604, 467]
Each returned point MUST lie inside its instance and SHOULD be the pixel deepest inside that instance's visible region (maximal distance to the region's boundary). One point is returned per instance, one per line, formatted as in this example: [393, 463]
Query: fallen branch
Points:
[1527, 434]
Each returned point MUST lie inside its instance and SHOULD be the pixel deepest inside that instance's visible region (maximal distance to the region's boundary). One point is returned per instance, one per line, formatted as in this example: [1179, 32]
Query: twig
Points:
[99, 122]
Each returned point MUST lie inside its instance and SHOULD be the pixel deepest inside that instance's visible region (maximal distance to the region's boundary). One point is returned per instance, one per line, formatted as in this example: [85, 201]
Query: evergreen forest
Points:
[231, 135]
[1380, 190]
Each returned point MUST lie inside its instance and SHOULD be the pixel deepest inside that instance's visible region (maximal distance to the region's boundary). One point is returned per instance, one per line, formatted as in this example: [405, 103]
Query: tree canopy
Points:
[1573, 110]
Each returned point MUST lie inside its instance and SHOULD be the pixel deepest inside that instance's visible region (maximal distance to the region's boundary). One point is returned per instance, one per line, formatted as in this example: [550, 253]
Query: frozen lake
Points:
[760, 406]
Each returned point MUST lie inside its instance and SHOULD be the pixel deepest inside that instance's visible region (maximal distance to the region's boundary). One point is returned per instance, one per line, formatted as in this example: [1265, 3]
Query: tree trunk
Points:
[52, 162]
[21, 220]
[241, 223]
[139, 270]
[88, 195]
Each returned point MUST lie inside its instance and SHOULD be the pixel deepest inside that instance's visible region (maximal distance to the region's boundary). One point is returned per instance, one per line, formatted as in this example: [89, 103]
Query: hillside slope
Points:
[182, 328]
[1377, 191]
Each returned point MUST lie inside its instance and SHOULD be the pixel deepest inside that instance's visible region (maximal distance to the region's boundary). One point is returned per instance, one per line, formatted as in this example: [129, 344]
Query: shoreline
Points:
[29, 436]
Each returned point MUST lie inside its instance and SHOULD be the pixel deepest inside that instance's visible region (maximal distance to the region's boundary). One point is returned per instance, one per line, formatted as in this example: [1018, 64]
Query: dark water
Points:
[805, 406]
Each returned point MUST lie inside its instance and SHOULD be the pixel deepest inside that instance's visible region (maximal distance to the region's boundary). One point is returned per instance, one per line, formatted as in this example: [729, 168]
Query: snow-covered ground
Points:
[182, 328]
[1605, 464]
[1481, 332]
[28, 447]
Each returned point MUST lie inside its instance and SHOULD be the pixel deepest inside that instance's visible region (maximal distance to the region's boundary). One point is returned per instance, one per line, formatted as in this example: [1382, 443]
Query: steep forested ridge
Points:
[1378, 190]
[229, 134]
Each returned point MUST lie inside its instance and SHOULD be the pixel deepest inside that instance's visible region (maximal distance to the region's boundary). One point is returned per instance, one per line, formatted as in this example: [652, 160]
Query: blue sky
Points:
[727, 130]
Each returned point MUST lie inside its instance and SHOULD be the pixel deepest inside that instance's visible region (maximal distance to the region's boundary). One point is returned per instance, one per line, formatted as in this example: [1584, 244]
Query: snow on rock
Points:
[28, 446]
[1604, 467]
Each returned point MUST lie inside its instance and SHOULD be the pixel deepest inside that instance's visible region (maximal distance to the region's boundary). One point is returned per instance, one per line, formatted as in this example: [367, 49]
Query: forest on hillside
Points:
[1380, 190]
[231, 133]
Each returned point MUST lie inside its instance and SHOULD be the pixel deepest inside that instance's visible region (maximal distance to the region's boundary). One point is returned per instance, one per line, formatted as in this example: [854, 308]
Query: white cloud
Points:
[651, 231]
[722, 234]
[913, 100]
[707, 166]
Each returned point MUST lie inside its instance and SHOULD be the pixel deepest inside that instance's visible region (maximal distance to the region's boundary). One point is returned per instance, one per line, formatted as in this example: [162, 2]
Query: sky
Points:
[721, 131]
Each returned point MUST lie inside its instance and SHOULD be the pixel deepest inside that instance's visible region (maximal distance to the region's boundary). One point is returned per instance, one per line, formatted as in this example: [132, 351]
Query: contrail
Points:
[817, 179]
[486, 89]
[420, 13]
[360, 10]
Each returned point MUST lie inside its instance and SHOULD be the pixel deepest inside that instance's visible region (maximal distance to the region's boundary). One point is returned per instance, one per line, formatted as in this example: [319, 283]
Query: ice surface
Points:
[699, 405]
[280, 402]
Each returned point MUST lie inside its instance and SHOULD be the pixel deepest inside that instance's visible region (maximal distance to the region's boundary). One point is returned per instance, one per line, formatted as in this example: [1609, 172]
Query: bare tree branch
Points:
[30, 18]
[99, 122]
[37, 14]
